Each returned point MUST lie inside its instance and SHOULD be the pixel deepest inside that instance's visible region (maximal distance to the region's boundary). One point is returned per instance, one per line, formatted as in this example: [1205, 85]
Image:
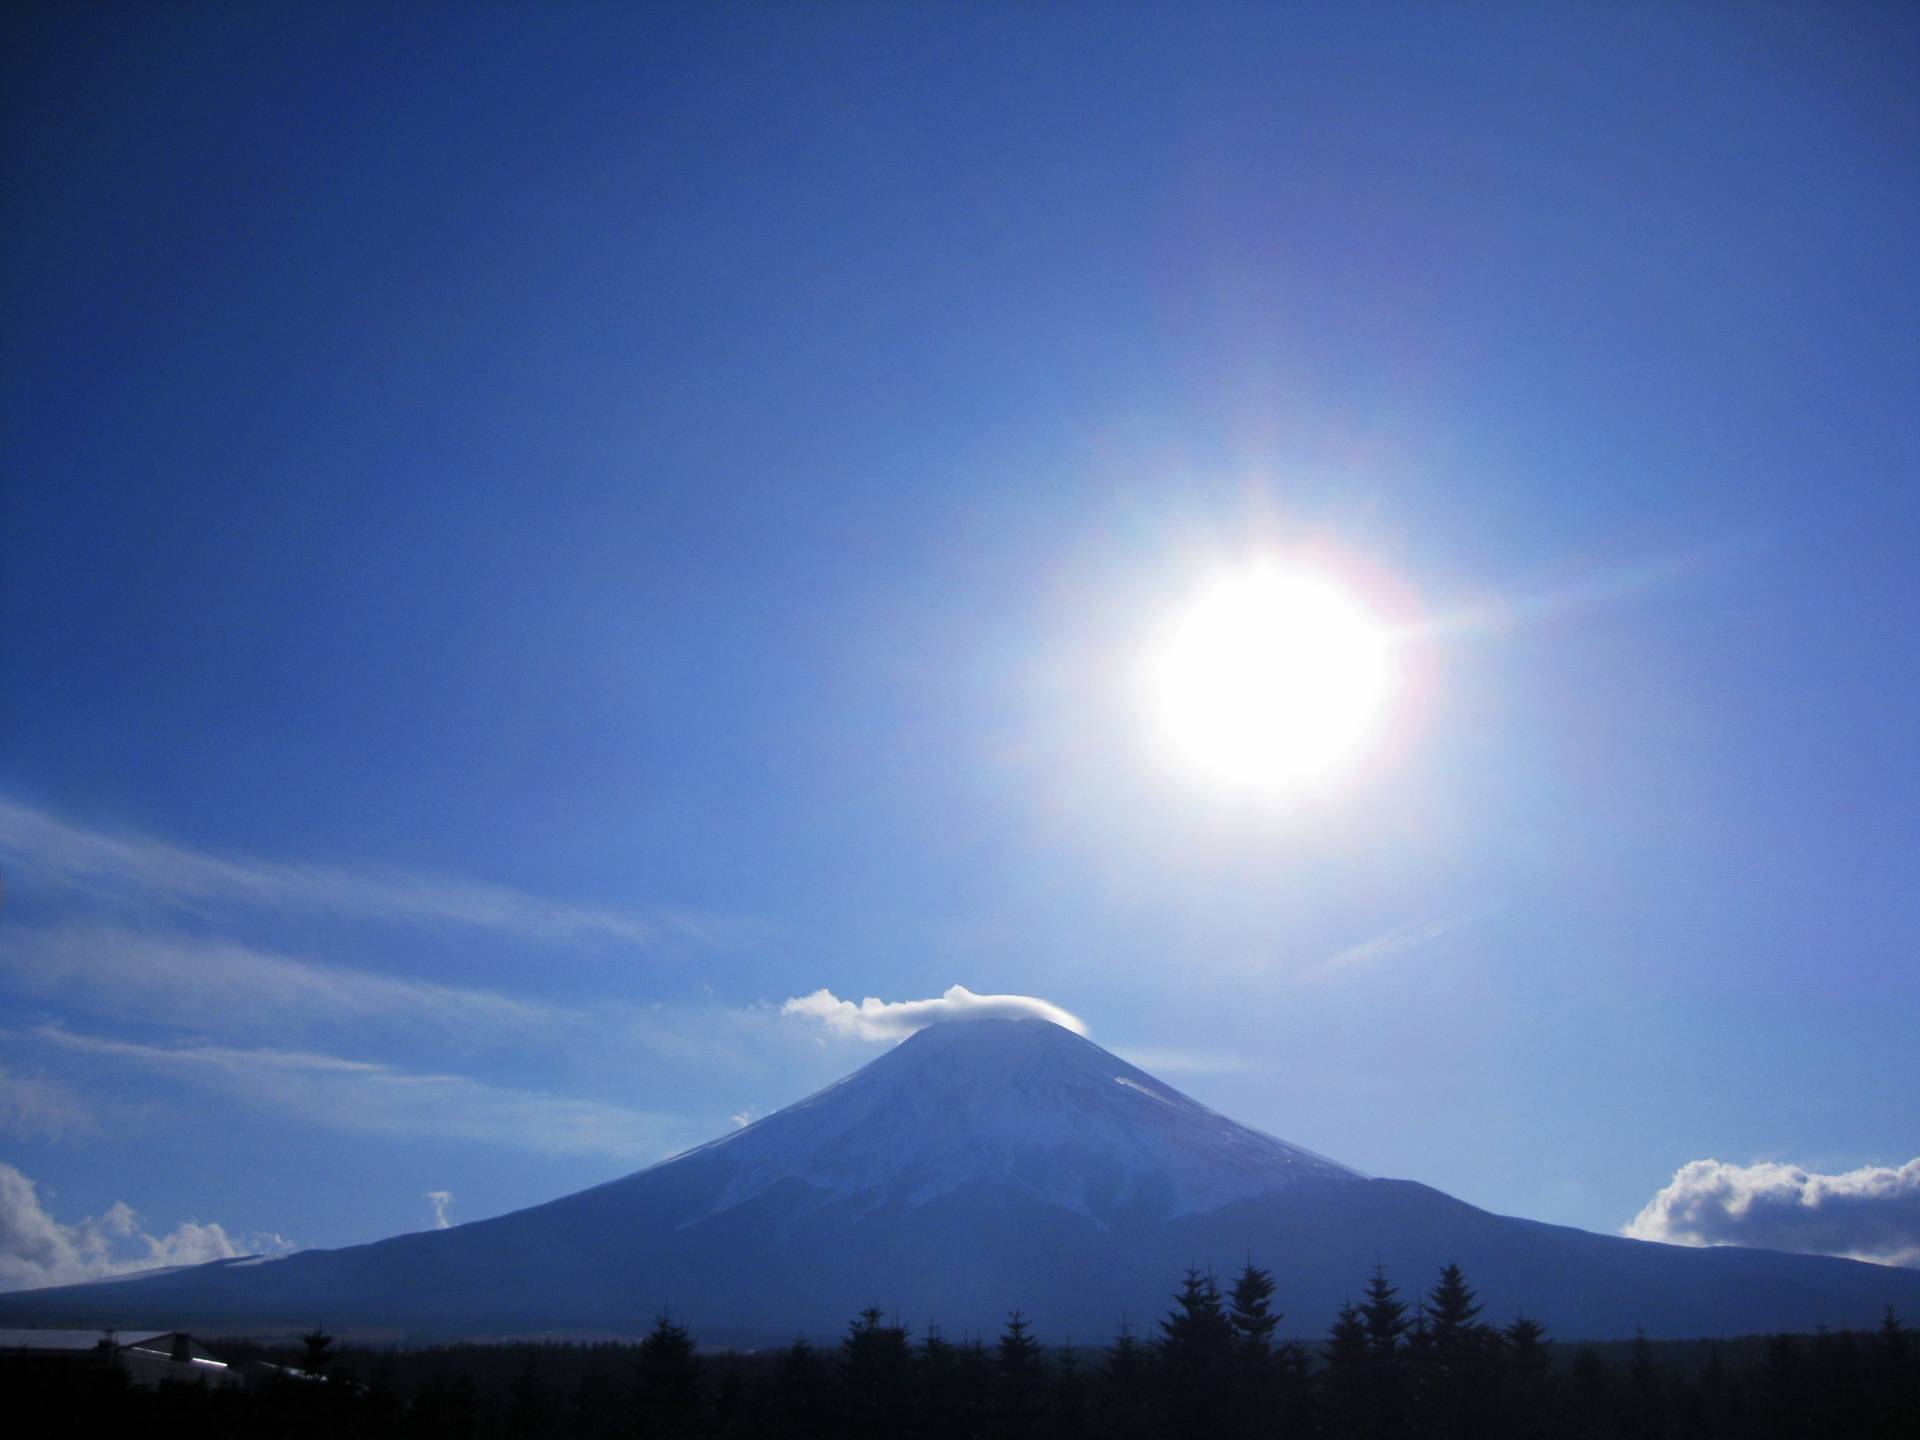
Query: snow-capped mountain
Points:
[1023, 1104]
[980, 1165]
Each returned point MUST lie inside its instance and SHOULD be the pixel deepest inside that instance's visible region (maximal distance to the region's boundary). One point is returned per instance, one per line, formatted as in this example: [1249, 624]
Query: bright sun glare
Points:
[1271, 680]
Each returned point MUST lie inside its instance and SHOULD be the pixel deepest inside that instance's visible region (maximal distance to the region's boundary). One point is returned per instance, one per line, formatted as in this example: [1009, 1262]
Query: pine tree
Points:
[1385, 1320]
[1196, 1355]
[1454, 1364]
[1125, 1410]
[1896, 1378]
[1452, 1309]
[668, 1393]
[939, 1400]
[316, 1352]
[1021, 1375]
[1254, 1399]
[1384, 1316]
[1346, 1405]
[1250, 1311]
[876, 1368]
[1527, 1379]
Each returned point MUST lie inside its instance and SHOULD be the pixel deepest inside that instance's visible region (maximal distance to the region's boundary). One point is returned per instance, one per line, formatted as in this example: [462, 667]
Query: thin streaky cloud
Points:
[33, 1107]
[1400, 938]
[370, 1097]
[220, 985]
[139, 869]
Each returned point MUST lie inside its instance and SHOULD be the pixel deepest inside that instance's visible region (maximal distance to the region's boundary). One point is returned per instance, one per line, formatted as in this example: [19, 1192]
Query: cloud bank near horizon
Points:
[875, 1019]
[1872, 1213]
[37, 1250]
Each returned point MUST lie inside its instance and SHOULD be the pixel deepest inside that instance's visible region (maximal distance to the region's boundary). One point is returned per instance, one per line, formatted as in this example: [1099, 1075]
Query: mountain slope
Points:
[980, 1165]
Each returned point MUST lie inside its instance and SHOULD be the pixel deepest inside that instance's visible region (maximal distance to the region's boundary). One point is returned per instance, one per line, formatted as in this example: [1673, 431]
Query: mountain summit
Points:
[1023, 1104]
[980, 1165]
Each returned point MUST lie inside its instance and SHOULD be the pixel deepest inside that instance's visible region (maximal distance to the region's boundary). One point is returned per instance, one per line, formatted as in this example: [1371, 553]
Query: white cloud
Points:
[219, 985]
[35, 1108]
[138, 869]
[366, 1096]
[440, 1200]
[1872, 1213]
[875, 1019]
[1407, 936]
[36, 1249]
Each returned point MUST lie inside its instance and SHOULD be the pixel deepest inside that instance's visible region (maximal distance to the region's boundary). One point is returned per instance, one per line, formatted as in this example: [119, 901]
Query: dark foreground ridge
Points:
[1210, 1368]
[979, 1164]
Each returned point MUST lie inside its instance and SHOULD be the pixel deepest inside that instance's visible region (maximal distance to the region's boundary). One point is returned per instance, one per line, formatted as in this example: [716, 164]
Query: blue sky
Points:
[531, 538]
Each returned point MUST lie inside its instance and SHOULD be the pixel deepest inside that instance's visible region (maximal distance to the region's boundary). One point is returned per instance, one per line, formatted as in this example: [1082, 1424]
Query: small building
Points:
[146, 1357]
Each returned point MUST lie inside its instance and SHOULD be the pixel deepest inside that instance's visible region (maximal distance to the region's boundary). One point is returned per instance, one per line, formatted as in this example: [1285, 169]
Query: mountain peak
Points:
[1010, 1102]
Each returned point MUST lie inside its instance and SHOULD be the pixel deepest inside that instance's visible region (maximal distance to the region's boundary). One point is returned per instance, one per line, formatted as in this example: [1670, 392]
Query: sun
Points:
[1271, 680]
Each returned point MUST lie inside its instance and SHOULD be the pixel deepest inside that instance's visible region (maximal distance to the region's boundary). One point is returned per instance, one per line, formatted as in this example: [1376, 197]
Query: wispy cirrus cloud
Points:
[375, 1098]
[222, 986]
[32, 1107]
[875, 1019]
[36, 1249]
[137, 869]
[1408, 936]
[1872, 1213]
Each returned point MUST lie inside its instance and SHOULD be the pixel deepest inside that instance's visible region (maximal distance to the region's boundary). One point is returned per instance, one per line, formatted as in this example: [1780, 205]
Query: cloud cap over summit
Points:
[874, 1019]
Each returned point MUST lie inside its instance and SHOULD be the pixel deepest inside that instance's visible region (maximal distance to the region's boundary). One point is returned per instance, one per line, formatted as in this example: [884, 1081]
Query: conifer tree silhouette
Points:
[1346, 1407]
[1125, 1409]
[668, 1383]
[1385, 1320]
[1251, 1308]
[1528, 1390]
[1456, 1364]
[939, 1392]
[1195, 1359]
[1254, 1401]
[876, 1370]
[1020, 1367]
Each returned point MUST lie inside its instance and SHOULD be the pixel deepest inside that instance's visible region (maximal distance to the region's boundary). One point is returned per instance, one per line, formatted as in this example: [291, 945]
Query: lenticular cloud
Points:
[875, 1019]
[1872, 1213]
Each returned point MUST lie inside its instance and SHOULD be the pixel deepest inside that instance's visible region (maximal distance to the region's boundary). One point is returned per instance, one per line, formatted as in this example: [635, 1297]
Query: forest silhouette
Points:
[1211, 1367]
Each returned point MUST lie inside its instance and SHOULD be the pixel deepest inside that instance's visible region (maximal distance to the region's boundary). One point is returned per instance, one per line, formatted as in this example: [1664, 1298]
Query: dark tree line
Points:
[1211, 1367]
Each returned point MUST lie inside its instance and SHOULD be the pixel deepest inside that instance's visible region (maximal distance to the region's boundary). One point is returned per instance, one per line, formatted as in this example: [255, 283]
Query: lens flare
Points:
[1270, 680]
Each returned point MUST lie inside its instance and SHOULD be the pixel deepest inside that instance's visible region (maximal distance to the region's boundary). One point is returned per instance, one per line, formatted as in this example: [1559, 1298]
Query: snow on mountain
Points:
[1020, 1103]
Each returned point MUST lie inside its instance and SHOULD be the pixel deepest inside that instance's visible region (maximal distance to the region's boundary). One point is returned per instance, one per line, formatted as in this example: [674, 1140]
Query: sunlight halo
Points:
[1270, 680]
